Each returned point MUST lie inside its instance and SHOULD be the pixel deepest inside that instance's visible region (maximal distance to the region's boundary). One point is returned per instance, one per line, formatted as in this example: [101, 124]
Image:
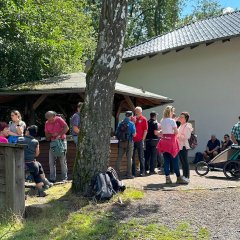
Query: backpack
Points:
[193, 141]
[118, 185]
[198, 157]
[122, 132]
[57, 147]
[102, 187]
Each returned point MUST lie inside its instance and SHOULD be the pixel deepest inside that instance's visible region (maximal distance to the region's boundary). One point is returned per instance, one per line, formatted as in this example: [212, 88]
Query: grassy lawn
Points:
[66, 216]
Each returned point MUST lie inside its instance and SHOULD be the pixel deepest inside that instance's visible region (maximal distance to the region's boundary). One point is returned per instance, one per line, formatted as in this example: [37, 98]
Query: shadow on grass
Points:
[74, 217]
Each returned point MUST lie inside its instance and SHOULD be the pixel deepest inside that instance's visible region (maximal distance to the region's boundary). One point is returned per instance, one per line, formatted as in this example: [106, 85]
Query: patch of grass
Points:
[129, 194]
[70, 217]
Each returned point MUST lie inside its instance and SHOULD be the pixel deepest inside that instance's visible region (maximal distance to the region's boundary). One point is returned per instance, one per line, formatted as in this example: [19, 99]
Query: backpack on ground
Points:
[198, 157]
[57, 148]
[118, 185]
[102, 187]
[122, 132]
[193, 141]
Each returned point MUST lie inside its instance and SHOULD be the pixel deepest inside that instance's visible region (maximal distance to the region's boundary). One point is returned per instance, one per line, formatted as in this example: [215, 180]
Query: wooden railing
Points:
[12, 177]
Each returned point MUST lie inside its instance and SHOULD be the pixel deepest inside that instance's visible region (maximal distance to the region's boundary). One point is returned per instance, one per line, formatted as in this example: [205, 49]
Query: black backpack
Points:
[102, 187]
[122, 132]
[118, 185]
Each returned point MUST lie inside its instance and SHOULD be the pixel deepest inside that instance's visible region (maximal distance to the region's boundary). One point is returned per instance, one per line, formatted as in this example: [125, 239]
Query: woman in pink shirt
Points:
[4, 131]
[184, 133]
[168, 145]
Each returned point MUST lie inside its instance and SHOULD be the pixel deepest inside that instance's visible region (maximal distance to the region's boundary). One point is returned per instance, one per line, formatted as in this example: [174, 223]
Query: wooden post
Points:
[12, 177]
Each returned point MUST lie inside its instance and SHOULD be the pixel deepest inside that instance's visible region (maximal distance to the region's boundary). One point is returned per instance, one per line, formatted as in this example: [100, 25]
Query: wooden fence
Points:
[12, 177]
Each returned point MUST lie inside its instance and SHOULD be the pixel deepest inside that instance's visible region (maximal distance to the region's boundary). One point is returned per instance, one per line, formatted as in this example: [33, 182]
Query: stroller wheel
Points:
[231, 169]
[202, 168]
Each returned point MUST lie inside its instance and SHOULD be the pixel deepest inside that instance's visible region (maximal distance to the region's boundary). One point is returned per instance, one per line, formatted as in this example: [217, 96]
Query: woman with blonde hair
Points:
[16, 126]
[169, 146]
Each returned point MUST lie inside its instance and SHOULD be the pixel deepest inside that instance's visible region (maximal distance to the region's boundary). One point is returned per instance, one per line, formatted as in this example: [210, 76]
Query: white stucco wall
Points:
[204, 81]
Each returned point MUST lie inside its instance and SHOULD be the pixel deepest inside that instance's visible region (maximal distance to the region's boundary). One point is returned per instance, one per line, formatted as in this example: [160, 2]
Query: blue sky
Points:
[225, 3]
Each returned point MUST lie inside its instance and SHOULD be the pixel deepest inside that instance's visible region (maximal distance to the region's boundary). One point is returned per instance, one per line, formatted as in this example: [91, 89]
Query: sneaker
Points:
[142, 174]
[168, 180]
[186, 179]
[47, 184]
[181, 180]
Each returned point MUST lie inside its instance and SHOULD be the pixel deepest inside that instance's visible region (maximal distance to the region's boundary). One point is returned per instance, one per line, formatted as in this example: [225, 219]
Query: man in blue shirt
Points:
[125, 144]
[212, 149]
[75, 123]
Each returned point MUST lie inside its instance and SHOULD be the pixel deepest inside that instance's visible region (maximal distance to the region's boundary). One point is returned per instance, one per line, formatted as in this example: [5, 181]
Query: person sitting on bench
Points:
[31, 151]
[212, 149]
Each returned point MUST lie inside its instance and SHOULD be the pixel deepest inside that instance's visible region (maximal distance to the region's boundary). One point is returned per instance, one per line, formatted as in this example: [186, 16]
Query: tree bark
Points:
[94, 146]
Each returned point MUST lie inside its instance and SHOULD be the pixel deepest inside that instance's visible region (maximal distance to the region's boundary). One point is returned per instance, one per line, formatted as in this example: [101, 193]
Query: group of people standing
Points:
[150, 138]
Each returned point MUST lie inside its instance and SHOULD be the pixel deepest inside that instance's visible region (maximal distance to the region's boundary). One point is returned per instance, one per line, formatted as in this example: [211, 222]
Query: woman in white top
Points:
[16, 126]
[184, 133]
[168, 145]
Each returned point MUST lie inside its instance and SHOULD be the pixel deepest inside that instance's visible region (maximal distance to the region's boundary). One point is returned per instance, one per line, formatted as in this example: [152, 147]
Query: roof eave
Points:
[128, 59]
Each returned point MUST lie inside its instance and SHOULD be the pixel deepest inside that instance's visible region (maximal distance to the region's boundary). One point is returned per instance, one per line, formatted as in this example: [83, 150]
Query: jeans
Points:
[139, 147]
[63, 162]
[151, 155]
[183, 155]
[167, 159]
[125, 147]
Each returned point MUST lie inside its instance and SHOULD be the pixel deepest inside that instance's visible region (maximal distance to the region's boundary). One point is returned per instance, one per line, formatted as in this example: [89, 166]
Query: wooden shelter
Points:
[62, 94]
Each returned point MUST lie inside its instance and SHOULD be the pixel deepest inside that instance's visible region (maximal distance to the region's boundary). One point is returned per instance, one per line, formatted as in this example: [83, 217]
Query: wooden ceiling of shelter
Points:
[5, 99]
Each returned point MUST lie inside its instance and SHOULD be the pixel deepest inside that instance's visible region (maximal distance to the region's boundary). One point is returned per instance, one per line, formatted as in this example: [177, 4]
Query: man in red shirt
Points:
[141, 132]
[56, 128]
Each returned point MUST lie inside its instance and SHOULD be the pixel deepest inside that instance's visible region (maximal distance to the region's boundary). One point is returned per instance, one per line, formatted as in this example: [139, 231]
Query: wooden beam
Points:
[129, 102]
[39, 101]
[118, 113]
[62, 109]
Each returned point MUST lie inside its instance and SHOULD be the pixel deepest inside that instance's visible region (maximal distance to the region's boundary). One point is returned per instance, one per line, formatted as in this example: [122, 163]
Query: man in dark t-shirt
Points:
[31, 151]
[212, 149]
[151, 143]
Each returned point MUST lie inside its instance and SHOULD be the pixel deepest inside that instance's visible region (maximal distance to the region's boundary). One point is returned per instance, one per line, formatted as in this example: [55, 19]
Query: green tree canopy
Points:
[202, 9]
[39, 39]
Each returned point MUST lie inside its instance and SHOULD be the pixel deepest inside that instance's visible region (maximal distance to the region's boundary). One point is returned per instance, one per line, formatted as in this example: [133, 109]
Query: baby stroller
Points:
[227, 160]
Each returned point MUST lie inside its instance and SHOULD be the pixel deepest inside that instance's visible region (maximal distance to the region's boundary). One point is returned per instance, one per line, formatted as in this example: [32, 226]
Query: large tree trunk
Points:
[94, 147]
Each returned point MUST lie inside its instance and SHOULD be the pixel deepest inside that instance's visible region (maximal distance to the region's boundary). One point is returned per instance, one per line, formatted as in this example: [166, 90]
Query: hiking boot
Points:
[182, 180]
[41, 193]
[168, 180]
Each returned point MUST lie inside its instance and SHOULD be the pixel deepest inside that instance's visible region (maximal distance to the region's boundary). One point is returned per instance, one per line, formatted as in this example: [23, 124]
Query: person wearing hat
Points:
[56, 128]
[125, 132]
[4, 132]
[151, 143]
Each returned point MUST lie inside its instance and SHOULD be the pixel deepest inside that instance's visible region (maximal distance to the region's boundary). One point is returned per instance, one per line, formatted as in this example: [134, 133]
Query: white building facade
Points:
[203, 80]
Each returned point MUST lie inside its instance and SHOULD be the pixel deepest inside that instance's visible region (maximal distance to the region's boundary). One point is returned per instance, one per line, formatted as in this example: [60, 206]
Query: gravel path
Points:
[217, 210]
[212, 202]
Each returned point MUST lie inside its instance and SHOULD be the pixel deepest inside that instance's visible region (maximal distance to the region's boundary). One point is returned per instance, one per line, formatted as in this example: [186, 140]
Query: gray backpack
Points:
[102, 187]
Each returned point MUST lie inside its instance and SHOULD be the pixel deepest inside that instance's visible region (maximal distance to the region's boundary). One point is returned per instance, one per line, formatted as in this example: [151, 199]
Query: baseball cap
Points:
[128, 113]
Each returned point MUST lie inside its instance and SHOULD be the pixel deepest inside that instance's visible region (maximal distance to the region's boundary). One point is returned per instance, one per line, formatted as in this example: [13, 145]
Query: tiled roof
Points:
[209, 30]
